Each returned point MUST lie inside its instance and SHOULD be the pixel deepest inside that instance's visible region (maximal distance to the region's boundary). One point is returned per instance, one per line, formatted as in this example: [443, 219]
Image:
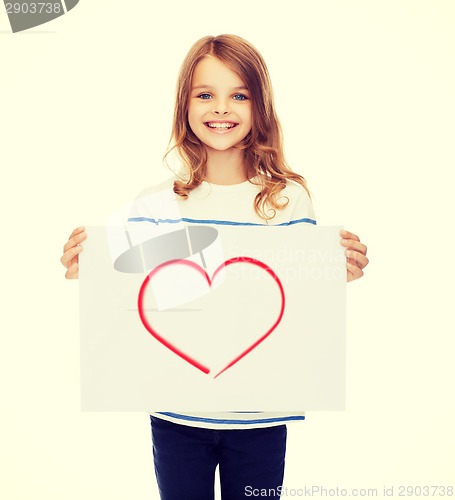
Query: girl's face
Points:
[219, 111]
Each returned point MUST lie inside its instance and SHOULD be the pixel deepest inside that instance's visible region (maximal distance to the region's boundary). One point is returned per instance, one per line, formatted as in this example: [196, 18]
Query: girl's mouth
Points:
[220, 127]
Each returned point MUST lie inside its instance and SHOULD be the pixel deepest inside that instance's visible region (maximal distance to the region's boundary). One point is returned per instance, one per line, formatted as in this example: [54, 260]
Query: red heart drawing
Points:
[197, 267]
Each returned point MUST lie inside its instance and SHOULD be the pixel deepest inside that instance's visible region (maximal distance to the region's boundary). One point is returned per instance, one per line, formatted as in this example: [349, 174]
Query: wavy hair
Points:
[263, 146]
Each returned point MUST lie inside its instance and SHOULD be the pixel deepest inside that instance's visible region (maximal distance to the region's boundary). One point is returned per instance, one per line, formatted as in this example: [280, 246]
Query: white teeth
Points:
[221, 125]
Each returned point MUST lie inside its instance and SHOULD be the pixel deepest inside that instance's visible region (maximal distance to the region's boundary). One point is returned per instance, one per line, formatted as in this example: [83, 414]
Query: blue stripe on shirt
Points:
[214, 221]
[231, 421]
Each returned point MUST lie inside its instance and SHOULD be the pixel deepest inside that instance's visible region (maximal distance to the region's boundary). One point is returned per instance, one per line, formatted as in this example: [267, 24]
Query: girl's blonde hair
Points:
[262, 147]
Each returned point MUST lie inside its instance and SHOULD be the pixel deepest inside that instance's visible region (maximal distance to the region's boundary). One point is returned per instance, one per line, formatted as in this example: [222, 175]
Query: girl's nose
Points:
[221, 107]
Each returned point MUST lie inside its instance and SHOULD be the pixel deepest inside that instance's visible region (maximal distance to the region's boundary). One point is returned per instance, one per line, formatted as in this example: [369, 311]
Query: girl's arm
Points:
[71, 251]
[356, 255]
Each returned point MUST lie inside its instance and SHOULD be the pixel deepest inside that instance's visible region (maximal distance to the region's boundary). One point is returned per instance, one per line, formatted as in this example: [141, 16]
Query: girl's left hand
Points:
[356, 255]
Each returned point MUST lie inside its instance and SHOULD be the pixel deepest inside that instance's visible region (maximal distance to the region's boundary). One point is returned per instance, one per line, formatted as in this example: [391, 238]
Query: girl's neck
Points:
[225, 167]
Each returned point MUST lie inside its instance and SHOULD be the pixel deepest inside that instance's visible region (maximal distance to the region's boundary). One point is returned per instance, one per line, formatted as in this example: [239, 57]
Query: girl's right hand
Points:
[71, 251]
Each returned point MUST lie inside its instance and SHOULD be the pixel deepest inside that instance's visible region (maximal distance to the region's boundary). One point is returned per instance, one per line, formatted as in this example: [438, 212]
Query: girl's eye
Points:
[237, 97]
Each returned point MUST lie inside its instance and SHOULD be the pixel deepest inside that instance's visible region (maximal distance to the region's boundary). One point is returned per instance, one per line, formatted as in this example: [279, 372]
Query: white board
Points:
[255, 321]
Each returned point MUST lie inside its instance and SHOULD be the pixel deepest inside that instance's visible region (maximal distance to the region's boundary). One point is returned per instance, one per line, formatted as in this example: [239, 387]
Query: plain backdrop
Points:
[364, 91]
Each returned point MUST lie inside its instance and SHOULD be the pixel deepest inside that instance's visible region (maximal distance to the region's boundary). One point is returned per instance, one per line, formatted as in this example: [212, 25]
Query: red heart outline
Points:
[173, 348]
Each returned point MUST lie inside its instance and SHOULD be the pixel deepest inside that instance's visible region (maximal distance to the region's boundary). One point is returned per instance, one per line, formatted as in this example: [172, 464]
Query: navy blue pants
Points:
[185, 457]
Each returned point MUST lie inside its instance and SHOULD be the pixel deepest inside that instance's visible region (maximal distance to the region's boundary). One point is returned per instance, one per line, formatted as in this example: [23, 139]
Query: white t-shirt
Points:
[222, 204]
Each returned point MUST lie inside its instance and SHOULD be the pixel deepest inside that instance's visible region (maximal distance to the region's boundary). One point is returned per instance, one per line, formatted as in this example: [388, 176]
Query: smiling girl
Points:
[228, 137]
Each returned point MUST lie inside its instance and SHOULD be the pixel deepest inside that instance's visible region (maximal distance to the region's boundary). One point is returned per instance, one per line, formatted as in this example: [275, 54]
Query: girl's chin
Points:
[220, 149]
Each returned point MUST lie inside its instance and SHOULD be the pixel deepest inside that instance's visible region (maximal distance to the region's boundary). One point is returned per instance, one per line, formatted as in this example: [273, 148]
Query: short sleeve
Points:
[303, 209]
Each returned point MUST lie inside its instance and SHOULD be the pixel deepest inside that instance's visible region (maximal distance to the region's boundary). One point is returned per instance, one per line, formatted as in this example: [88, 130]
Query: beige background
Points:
[365, 94]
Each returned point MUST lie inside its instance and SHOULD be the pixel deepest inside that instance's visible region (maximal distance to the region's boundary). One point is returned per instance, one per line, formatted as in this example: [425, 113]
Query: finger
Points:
[353, 272]
[355, 264]
[69, 255]
[73, 260]
[357, 258]
[72, 272]
[347, 235]
[354, 245]
[75, 240]
[77, 231]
